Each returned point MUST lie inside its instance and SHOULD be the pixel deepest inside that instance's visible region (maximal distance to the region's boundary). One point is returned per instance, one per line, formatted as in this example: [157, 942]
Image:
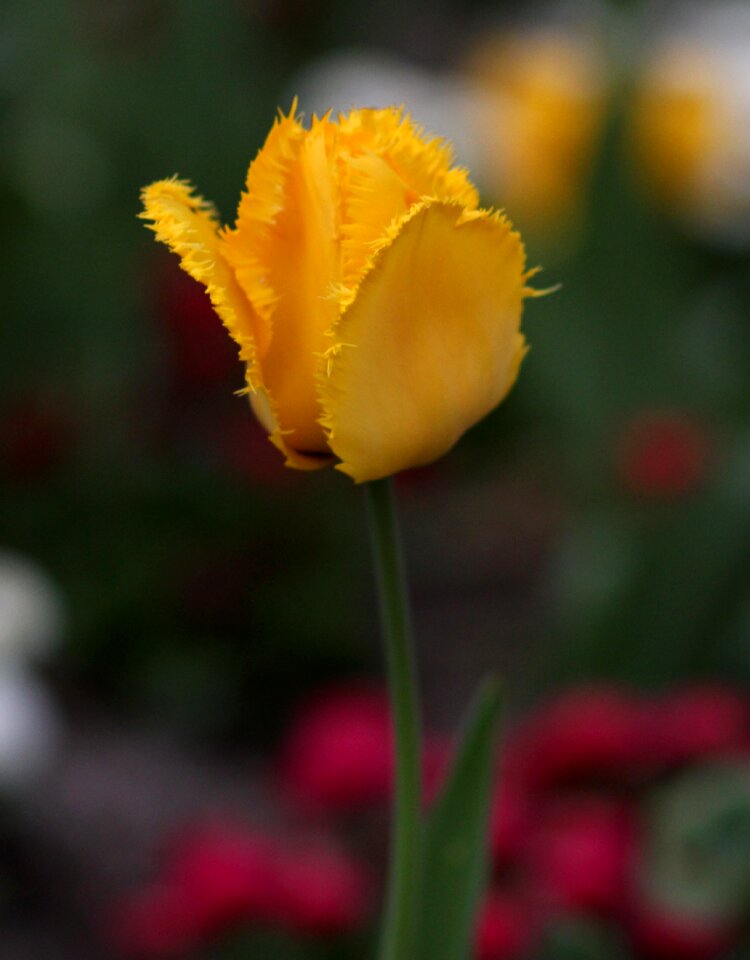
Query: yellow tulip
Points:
[376, 307]
[690, 122]
[541, 98]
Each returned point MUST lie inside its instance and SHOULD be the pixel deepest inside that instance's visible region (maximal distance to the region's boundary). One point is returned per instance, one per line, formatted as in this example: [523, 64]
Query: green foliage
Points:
[698, 849]
[281, 946]
[456, 854]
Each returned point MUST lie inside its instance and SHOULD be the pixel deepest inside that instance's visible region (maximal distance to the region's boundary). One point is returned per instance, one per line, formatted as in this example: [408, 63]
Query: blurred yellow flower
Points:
[691, 118]
[542, 95]
[376, 307]
[674, 122]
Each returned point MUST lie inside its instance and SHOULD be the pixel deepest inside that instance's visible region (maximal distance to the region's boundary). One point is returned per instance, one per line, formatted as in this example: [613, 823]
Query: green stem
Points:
[399, 925]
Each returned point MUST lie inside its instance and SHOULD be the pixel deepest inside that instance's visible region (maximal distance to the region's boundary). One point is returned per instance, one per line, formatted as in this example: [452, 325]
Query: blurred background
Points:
[194, 744]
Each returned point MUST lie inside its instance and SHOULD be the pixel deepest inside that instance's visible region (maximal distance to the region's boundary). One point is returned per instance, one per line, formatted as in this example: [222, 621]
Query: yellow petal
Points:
[248, 246]
[374, 196]
[266, 413]
[187, 225]
[388, 164]
[430, 344]
[425, 163]
[297, 261]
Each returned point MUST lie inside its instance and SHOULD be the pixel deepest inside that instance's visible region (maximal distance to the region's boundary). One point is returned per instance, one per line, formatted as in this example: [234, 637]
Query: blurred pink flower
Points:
[227, 874]
[322, 891]
[153, 923]
[658, 934]
[218, 876]
[505, 930]
[588, 733]
[338, 753]
[698, 721]
[581, 855]
[511, 820]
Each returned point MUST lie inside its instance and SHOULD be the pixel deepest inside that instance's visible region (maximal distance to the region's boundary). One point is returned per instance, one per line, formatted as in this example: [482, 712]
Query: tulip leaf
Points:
[455, 854]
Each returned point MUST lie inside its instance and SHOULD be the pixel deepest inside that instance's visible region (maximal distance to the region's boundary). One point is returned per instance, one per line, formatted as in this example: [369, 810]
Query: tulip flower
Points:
[376, 307]
[690, 117]
[540, 97]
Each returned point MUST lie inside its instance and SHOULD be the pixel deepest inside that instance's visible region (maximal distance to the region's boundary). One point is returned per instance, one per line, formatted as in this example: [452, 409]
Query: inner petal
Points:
[420, 159]
[304, 263]
[375, 195]
[388, 164]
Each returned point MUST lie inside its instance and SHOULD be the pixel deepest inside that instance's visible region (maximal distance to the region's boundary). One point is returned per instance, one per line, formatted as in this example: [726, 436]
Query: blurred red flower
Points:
[199, 351]
[323, 892]
[505, 930]
[511, 820]
[564, 828]
[698, 721]
[581, 855]
[658, 934]
[156, 922]
[218, 876]
[227, 874]
[663, 454]
[338, 753]
[590, 733]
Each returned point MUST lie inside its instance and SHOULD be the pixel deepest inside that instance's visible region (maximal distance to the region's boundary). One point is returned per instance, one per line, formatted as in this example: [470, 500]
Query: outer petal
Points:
[187, 225]
[430, 344]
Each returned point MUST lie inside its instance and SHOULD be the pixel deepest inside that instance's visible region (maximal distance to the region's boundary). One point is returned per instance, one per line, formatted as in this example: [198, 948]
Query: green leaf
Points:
[455, 861]
[581, 938]
[696, 859]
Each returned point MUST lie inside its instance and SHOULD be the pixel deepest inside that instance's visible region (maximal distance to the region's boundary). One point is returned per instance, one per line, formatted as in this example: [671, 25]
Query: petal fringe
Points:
[187, 224]
[247, 245]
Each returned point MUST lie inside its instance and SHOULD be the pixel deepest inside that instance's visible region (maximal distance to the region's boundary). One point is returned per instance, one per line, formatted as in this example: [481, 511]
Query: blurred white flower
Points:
[522, 113]
[31, 610]
[445, 104]
[29, 729]
[692, 117]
